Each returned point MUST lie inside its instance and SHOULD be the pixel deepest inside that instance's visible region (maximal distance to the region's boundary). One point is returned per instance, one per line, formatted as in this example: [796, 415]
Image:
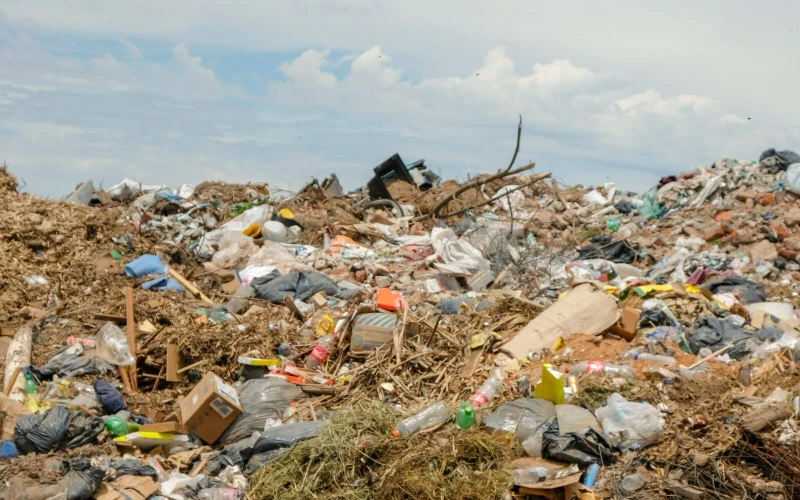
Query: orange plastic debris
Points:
[389, 300]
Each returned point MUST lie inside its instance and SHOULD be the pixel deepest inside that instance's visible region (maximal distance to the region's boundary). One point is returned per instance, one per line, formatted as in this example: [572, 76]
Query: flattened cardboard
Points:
[210, 408]
[582, 310]
[127, 488]
[10, 412]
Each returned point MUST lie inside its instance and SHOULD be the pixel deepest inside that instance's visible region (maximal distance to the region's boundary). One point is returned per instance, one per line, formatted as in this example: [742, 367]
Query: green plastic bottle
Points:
[30, 384]
[119, 427]
[464, 416]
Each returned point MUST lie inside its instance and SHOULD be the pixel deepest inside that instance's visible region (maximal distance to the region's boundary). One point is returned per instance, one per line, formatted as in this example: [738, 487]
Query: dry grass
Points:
[354, 458]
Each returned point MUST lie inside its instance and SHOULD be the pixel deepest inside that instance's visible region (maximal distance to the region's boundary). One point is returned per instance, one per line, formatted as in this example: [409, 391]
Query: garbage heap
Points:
[506, 337]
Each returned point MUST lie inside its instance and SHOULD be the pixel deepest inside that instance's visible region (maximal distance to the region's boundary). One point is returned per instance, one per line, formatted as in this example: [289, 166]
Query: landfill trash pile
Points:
[507, 337]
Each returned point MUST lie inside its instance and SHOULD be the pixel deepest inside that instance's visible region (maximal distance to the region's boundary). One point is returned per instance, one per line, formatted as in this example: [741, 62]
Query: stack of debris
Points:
[505, 337]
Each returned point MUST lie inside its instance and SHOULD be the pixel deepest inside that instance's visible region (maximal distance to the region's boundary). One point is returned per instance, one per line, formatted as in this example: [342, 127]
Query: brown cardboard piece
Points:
[10, 412]
[584, 309]
[169, 427]
[628, 324]
[127, 488]
[210, 408]
[318, 301]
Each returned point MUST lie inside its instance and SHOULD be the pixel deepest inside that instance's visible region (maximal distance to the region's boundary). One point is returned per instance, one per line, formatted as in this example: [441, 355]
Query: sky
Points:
[280, 92]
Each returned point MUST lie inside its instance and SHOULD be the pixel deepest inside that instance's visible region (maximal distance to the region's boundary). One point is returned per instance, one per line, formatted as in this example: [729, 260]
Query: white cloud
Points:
[107, 61]
[192, 63]
[131, 49]
[43, 131]
[307, 68]
[732, 118]
[651, 101]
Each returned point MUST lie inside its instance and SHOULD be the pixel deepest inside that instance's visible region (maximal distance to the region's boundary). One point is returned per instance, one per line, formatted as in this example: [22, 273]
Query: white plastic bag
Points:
[593, 197]
[791, 179]
[125, 190]
[630, 424]
[452, 250]
[233, 248]
[112, 346]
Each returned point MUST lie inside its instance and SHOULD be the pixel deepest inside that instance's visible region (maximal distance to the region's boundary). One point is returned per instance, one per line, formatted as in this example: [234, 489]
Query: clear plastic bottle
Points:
[319, 355]
[633, 352]
[431, 416]
[530, 475]
[657, 371]
[602, 367]
[487, 391]
[657, 358]
[690, 374]
[219, 494]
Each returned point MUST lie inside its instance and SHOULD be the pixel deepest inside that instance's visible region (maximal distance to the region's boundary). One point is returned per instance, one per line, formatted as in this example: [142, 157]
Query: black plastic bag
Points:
[749, 292]
[582, 449]
[110, 399]
[133, 467]
[602, 247]
[261, 399]
[624, 207]
[271, 440]
[72, 365]
[716, 333]
[41, 433]
[82, 429]
[299, 285]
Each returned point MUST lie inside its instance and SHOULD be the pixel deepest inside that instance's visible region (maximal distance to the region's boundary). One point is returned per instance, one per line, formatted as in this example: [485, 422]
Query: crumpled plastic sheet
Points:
[261, 399]
[584, 449]
[630, 424]
[299, 285]
[778, 160]
[266, 445]
[603, 247]
[524, 417]
[748, 291]
[452, 250]
[716, 333]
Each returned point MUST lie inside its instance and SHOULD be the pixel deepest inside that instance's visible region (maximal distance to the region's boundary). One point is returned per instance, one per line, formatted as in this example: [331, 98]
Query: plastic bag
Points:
[593, 197]
[603, 247]
[124, 191]
[298, 285]
[112, 346]
[82, 429]
[261, 399]
[629, 424]
[451, 250]
[583, 449]
[651, 209]
[747, 291]
[526, 418]
[234, 248]
[41, 433]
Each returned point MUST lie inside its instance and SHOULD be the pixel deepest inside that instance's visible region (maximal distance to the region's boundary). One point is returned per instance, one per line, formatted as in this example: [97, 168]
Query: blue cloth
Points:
[163, 284]
[144, 265]
[110, 398]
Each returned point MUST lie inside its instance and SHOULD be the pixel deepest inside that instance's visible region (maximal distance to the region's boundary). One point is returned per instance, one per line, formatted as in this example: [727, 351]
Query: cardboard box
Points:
[628, 324]
[127, 488]
[210, 408]
[373, 330]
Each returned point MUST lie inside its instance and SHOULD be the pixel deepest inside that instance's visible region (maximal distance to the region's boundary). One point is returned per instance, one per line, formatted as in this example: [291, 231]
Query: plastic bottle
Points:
[219, 494]
[602, 367]
[633, 352]
[30, 384]
[658, 371]
[465, 416]
[319, 355]
[119, 427]
[690, 374]
[431, 416]
[487, 391]
[529, 475]
[632, 483]
[590, 476]
[657, 358]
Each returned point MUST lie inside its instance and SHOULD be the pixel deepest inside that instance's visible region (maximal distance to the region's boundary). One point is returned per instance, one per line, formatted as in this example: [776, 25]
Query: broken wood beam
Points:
[190, 287]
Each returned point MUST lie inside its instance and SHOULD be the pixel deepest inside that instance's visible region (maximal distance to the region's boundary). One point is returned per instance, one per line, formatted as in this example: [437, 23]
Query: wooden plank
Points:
[113, 318]
[159, 377]
[193, 365]
[131, 328]
[173, 364]
[13, 381]
[189, 286]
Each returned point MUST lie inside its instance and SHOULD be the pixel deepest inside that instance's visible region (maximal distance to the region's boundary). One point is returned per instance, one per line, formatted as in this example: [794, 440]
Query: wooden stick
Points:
[193, 365]
[189, 286]
[159, 377]
[13, 381]
[712, 355]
